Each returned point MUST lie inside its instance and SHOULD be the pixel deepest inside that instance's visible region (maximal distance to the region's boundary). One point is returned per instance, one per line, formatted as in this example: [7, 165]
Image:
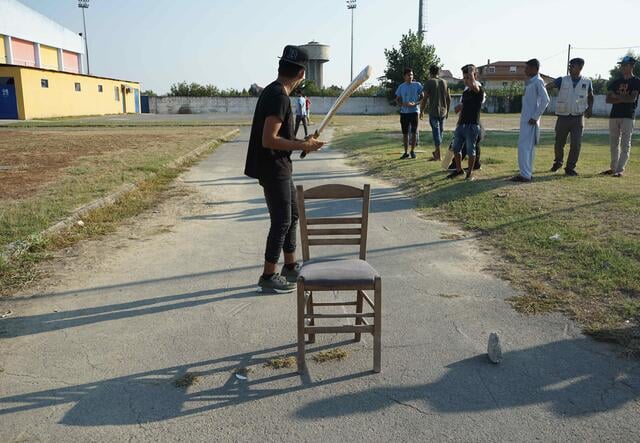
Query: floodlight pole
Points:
[84, 4]
[351, 4]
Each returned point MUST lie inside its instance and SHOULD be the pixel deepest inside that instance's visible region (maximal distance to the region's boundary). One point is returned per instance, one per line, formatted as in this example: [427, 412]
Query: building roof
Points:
[502, 72]
[4, 65]
[446, 74]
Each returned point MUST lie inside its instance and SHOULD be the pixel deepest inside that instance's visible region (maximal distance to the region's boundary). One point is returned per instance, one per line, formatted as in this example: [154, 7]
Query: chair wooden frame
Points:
[365, 322]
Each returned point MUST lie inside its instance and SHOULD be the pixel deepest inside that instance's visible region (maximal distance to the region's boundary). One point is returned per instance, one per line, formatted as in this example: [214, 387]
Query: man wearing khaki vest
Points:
[575, 101]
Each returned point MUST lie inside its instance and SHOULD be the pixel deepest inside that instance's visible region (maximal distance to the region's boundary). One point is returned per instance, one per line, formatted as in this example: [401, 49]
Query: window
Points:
[491, 70]
[99, 88]
[513, 69]
[78, 89]
[117, 93]
[44, 82]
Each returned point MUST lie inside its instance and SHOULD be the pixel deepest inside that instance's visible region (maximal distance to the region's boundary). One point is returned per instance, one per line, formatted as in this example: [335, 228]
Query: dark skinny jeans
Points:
[280, 195]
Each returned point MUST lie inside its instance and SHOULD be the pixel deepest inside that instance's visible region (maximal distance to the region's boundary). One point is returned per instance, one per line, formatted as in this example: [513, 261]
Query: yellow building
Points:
[27, 92]
[42, 66]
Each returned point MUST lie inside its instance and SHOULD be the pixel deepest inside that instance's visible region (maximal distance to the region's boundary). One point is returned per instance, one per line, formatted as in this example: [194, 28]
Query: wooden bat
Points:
[355, 84]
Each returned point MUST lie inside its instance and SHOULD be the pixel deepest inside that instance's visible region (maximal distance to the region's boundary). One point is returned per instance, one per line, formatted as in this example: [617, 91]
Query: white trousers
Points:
[527, 141]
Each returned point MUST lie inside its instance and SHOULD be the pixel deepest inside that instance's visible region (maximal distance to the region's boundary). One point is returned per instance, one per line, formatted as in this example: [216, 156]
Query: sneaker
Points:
[618, 174]
[571, 172]
[520, 179]
[413, 154]
[607, 172]
[405, 155]
[555, 167]
[276, 284]
[291, 275]
[454, 174]
[469, 178]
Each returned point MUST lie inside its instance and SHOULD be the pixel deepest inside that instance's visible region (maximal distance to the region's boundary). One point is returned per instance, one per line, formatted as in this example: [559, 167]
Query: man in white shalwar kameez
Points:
[534, 103]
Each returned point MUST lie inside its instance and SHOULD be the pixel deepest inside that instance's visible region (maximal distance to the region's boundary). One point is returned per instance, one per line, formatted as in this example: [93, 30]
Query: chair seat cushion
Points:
[330, 273]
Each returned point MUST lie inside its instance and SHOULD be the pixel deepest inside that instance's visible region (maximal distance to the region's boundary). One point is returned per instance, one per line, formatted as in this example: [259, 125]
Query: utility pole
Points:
[568, 58]
[351, 4]
[84, 4]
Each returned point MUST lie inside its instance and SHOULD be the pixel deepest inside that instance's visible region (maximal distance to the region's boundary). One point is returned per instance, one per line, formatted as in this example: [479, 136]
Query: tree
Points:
[413, 53]
[149, 93]
[599, 85]
[311, 89]
[616, 72]
[370, 91]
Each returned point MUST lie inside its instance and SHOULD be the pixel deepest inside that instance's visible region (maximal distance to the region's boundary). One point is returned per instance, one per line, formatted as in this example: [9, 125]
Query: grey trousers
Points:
[620, 132]
[569, 125]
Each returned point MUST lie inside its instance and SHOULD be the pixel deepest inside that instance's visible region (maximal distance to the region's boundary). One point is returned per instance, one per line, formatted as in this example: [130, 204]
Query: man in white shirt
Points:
[534, 103]
[301, 114]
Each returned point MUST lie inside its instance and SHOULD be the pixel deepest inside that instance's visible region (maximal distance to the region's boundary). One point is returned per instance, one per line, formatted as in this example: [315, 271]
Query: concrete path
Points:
[95, 357]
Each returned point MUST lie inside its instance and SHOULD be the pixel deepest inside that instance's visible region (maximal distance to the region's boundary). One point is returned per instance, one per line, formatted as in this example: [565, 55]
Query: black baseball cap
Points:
[295, 55]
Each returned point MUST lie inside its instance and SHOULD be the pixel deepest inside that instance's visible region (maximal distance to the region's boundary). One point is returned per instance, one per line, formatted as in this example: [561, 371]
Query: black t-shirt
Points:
[471, 105]
[624, 87]
[263, 163]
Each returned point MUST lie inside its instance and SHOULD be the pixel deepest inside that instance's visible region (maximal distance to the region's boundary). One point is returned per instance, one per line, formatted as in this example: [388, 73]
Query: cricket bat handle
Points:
[315, 135]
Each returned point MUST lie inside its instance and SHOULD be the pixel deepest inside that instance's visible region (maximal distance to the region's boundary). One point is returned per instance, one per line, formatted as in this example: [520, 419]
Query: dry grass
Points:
[130, 156]
[331, 355]
[281, 362]
[492, 122]
[186, 380]
[449, 295]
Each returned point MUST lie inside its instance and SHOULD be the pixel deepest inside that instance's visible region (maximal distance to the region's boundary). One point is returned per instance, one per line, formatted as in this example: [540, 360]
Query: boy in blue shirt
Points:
[408, 96]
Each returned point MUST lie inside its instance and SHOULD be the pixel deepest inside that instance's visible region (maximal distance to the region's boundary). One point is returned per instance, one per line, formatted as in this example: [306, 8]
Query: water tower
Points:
[318, 55]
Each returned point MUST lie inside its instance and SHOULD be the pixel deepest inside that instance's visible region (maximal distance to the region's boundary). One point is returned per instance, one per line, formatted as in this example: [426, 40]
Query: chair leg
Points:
[377, 331]
[359, 300]
[312, 321]
[301, 306]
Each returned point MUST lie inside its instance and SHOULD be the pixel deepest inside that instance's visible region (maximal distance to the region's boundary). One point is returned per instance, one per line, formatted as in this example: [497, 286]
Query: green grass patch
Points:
[568, 243]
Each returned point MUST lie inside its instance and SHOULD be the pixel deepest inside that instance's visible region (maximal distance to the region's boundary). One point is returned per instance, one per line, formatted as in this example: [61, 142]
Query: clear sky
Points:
[233, 43]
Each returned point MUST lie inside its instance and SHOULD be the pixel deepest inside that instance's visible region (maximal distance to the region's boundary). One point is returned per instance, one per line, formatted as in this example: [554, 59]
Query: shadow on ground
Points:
[153, 396]
[562, 375]
[556, 375]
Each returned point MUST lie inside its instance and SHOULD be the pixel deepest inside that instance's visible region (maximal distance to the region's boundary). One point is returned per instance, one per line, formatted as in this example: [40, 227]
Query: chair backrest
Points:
[312, 230]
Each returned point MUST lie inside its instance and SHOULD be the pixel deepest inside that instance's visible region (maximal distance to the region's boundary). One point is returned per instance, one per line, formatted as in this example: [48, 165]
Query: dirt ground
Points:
[32, 158]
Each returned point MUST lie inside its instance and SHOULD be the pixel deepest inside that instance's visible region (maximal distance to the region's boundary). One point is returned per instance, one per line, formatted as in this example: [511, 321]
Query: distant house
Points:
[503, 74]
[445, 74]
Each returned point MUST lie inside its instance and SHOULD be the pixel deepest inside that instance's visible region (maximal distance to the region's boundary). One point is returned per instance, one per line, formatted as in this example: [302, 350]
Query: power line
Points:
[554, 55]
[607, 49]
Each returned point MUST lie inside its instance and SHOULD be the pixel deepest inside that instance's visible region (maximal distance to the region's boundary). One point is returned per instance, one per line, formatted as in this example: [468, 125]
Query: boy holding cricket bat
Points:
[269, 160]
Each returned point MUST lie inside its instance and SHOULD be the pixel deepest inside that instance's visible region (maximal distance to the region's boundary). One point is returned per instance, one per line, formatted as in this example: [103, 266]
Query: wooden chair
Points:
[317, 275]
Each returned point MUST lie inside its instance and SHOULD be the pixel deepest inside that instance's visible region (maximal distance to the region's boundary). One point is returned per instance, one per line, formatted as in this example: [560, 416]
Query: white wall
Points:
[247, 105]
[600, 106]
[319, 105]
[20, 21]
